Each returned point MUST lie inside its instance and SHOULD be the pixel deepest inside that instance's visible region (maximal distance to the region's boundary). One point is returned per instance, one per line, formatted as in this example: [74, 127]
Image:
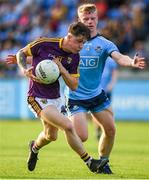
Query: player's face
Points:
[76, 43]
[90, 20]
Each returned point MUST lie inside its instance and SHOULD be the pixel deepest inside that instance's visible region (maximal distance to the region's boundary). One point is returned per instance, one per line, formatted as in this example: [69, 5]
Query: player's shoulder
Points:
[99, 39]
[103, 39]
[47, 39]
[42, 40]
[75, 58]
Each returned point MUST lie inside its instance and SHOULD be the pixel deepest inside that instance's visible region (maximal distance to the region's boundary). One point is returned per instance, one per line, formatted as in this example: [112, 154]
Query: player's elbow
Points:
[74, 85]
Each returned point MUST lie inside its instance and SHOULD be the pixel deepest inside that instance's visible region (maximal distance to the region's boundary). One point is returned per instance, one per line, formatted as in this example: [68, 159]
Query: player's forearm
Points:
[123, 60]
[70, 81]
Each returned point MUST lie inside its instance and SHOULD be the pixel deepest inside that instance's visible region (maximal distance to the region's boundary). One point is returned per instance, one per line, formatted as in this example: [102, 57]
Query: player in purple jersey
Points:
[44, 100]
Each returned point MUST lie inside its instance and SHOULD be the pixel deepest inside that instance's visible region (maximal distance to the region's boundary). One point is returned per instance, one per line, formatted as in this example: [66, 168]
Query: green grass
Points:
[129, 158]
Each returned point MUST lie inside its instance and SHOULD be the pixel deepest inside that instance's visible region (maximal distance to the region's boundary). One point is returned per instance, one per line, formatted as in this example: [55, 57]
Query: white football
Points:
[47, 71]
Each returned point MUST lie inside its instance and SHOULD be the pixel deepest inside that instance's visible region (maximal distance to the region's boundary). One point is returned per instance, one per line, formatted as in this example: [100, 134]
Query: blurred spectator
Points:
[57, 14]
[125, 22]
[138, 21]
[9, 46]
[102, 8]
[116, 32]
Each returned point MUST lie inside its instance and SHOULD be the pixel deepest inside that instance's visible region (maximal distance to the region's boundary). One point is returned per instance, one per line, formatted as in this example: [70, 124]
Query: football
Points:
[47, 71]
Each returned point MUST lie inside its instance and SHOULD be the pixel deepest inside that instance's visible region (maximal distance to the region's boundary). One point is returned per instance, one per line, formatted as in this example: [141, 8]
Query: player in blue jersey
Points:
[89, 96]
[108, 80]
[44, 99]
[109, 76]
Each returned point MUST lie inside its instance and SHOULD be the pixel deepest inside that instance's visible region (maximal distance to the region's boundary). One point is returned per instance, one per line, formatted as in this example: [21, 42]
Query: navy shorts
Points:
[95, 104]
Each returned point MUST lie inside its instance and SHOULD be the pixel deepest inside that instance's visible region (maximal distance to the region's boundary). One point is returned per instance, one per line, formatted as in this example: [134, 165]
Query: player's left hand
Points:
[60, 66]
[138, 62]
[11, 59]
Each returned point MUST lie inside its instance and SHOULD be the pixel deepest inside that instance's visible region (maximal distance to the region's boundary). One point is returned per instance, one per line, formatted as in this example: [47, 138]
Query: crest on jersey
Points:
[69, 60]
[98, 49]
[87, 48]
[51, 56]
[44, 101]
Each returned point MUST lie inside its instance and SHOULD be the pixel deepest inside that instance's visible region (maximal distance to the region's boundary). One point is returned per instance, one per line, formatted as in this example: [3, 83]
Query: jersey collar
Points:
[60, 42]
[94, 36]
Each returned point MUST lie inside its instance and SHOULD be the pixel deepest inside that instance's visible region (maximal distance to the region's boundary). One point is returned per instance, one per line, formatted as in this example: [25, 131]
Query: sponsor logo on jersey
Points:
[75, 107]
[51, 56]
[89, 62]
[60, 58]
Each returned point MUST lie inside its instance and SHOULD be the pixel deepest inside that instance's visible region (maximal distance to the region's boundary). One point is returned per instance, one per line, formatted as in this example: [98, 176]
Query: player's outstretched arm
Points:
[124, 60]
[21, 58]
[11, 59]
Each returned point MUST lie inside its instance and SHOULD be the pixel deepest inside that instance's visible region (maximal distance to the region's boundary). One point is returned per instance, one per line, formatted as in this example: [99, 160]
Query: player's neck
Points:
[94, 33]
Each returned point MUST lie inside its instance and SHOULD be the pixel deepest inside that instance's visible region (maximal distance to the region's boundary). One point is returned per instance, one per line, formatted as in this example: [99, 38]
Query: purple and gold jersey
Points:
[50, 48]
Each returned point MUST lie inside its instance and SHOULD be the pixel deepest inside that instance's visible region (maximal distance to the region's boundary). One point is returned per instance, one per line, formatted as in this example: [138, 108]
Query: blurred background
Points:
[125, 22]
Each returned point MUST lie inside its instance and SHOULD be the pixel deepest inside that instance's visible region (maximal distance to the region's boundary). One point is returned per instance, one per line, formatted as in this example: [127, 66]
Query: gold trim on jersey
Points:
[60, 42]
[75, 75]
[29, 50]
[44, 40]
[34, 104]
[40, 40]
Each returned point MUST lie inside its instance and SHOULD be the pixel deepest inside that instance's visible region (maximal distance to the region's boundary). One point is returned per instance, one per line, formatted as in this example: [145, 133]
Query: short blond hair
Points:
[88, 8]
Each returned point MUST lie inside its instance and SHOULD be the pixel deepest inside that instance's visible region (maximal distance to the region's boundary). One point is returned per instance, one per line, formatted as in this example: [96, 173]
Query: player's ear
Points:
[78, 19]
[69, 36]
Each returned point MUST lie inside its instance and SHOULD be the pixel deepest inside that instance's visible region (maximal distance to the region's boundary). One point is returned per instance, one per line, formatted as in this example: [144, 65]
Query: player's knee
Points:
[68, 126]
[83, 137]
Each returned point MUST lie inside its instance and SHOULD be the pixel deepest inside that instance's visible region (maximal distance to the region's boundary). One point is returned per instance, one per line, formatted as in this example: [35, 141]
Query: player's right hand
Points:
[11, 59]
[28, 73]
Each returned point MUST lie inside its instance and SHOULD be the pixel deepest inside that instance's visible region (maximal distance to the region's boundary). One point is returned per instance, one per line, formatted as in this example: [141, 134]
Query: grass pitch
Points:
[129, 158]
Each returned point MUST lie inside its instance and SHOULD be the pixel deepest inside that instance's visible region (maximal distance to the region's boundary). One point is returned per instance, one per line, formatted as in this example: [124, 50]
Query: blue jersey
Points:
[92, 61]
[110, 66]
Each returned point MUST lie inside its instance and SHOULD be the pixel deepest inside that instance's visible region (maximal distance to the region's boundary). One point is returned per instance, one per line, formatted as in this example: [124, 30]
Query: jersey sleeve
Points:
[33, 47]
[74, 66]
[111, 47]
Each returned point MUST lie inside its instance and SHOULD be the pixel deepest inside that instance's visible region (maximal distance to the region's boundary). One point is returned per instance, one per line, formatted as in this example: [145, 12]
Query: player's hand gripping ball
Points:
[47, 71]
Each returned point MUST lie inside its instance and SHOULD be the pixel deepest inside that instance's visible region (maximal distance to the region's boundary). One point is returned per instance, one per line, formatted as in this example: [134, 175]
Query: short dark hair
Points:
[78, 28]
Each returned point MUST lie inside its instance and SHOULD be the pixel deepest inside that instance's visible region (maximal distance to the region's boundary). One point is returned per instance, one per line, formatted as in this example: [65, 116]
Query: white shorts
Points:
[36, 105]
